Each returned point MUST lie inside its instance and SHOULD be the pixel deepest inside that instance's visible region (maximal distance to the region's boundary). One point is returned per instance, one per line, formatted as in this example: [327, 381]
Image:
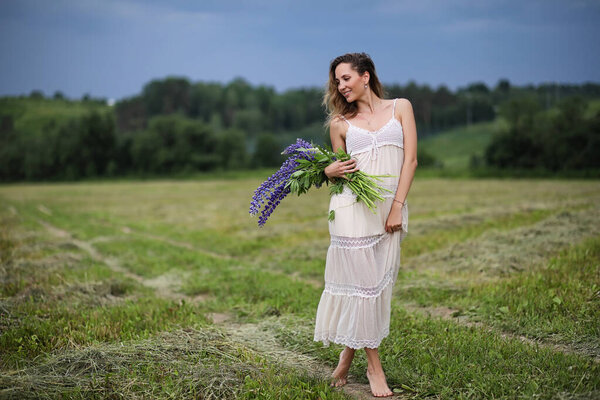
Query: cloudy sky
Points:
[111, 48]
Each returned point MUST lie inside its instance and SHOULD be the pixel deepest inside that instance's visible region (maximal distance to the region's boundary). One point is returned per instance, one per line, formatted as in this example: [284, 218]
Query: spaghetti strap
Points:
[394, 109]
[344, 118]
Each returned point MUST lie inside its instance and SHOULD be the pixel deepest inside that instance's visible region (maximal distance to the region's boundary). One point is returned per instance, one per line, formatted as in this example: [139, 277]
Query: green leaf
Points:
[336, 188]
[557, 300]
[331, 215]
[304, 181]
[293, 186]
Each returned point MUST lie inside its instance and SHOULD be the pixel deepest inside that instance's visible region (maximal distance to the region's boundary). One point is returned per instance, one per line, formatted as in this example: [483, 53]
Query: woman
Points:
[364, 255]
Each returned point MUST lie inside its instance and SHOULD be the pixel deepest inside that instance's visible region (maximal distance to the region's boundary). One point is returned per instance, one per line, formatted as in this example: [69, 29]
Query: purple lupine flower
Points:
[273, 190]
[300, 143]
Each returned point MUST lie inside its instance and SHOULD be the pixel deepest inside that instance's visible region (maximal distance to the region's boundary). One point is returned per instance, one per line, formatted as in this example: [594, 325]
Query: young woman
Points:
[364, 255]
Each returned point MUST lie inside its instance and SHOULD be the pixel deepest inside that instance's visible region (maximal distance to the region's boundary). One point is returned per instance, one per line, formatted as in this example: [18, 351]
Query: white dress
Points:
[363, 259]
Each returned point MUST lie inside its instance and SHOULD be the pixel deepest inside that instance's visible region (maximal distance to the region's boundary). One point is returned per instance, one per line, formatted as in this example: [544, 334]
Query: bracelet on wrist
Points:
[398, 201]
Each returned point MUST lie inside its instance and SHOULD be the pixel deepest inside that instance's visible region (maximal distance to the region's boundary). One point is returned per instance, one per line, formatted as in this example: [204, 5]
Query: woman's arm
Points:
[339, 169]
[409, 129]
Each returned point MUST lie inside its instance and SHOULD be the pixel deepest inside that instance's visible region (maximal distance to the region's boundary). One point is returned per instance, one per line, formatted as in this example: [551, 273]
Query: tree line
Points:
[176, 126]
[557, 140]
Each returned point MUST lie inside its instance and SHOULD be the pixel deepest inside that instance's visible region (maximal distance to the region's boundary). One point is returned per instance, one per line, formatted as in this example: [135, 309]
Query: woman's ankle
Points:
[372, 370]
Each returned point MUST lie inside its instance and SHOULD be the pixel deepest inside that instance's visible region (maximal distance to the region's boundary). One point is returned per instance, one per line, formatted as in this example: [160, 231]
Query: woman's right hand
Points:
[339, 169]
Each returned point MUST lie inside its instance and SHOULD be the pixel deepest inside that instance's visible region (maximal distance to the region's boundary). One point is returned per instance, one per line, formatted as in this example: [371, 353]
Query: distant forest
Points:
[177, 126]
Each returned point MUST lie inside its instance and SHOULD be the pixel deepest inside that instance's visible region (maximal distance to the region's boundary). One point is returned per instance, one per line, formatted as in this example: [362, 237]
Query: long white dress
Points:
[363, 259]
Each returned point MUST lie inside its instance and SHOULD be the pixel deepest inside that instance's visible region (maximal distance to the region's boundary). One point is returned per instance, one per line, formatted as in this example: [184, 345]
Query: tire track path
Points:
[450, 314]
[164, 284]
[249, 335]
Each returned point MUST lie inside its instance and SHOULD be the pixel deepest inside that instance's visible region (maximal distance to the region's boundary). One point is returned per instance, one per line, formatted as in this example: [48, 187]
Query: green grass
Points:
[187, 363]
[151, 258]
[429, 356]
[118, 297]
[455, 147]
[557, 301]
[560, 300]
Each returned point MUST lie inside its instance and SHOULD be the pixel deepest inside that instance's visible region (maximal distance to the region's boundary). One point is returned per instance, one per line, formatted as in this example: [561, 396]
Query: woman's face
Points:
[349, 83]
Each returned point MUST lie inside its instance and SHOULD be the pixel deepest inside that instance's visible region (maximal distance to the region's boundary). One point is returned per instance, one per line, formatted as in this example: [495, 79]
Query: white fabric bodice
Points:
[360, 140]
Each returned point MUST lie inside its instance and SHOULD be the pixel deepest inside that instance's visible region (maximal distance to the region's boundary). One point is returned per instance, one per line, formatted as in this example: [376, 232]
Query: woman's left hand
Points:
[394, 219]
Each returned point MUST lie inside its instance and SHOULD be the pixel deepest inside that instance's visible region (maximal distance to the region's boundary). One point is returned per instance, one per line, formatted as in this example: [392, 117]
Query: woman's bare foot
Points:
[340, 374]
[378, 384]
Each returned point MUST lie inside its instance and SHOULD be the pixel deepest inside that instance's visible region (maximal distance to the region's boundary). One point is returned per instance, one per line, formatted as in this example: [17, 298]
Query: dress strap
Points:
[344, 118]
[394, 109]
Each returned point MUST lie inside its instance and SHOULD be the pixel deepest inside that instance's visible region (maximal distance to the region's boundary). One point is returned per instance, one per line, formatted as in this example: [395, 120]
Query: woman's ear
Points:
[365, 77]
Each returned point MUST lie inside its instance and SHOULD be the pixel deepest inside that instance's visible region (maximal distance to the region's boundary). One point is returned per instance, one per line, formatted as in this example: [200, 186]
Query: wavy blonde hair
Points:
[335, 103]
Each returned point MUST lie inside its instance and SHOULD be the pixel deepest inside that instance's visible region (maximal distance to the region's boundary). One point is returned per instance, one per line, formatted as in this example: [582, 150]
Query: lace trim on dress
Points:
[346, 242]
[350, 342]
[343, 289]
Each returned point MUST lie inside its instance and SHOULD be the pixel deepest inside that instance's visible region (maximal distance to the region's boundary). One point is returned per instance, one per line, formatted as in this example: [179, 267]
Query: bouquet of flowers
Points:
[304, 168]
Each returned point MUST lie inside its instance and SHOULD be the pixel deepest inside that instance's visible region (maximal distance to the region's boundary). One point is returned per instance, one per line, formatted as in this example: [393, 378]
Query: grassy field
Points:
[167, 289]
[455, 147]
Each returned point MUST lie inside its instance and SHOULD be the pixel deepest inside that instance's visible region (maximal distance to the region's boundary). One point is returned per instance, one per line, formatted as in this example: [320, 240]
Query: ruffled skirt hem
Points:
[326, 338]
[354, 321]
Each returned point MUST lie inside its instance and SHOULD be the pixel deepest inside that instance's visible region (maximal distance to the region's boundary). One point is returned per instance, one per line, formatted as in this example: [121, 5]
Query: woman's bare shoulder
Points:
[403, 108]
[337, 126]
[337, 123]
[403, 104]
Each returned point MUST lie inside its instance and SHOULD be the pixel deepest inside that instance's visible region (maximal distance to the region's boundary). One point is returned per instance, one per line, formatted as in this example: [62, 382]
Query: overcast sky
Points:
[111, 48]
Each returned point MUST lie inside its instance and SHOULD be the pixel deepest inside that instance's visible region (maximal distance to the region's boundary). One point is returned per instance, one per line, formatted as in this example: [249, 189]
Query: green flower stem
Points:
[311, 173]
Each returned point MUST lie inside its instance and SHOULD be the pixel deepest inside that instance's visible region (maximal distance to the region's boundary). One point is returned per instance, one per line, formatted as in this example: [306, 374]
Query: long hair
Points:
[335, 103]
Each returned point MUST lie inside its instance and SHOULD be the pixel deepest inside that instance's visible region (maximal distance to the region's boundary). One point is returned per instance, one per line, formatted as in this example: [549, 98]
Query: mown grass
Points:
[427, 356]
[72, 328]
[150, 258]
[44, 326]
[559, 300]
[497, 250]
[49, 304]
[254, 293]
[187, 363]
[440, 237]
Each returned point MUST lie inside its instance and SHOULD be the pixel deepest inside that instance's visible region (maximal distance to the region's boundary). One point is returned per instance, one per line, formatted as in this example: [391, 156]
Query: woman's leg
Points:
[375, 374]
[341, 372]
